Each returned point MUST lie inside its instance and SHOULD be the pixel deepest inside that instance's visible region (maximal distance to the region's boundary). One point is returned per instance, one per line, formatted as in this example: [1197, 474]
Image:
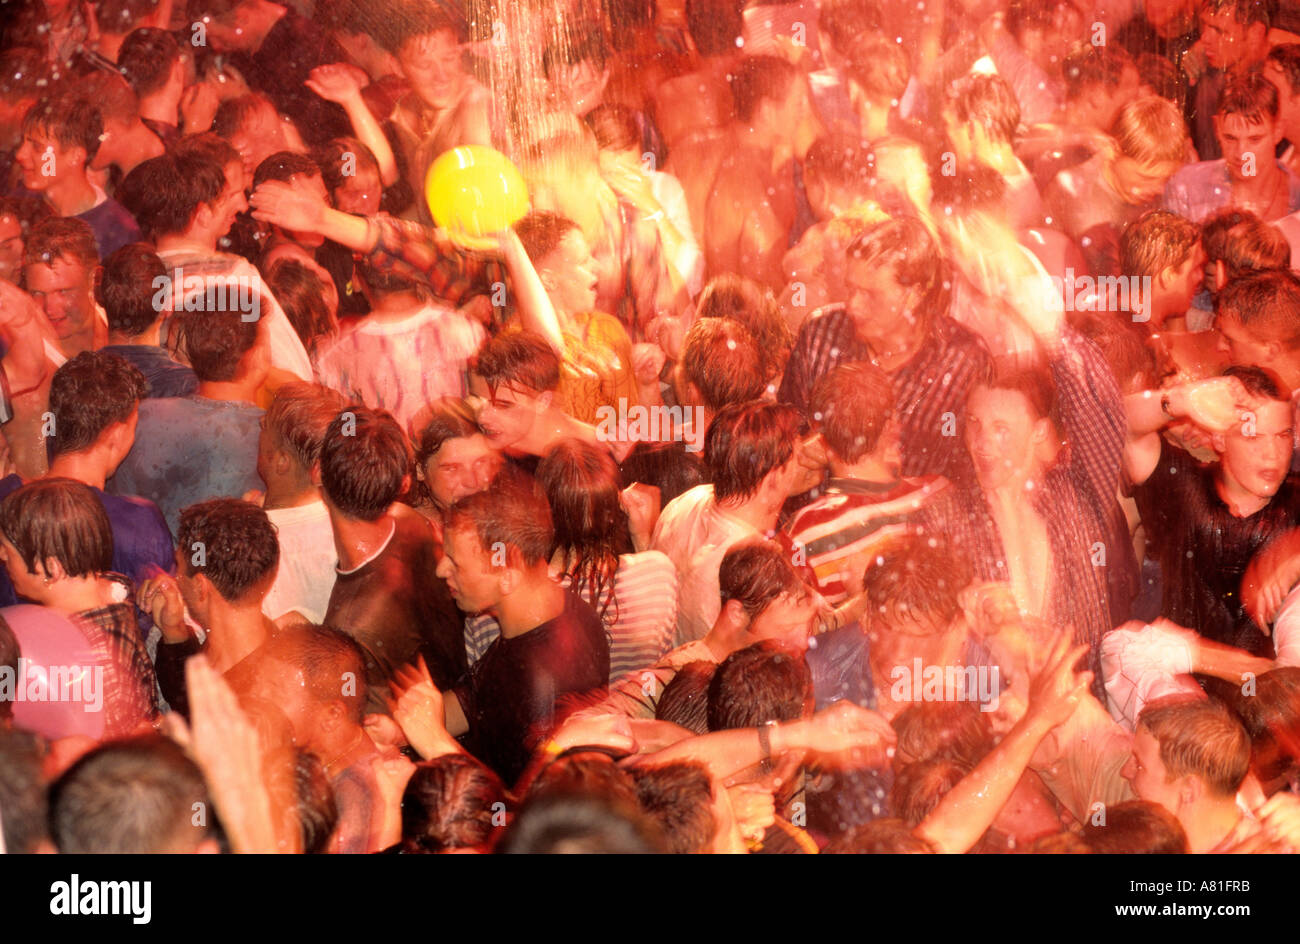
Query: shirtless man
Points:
[698, 102]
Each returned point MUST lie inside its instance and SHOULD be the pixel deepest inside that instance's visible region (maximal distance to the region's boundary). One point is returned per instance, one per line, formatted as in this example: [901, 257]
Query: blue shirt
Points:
[165, 377]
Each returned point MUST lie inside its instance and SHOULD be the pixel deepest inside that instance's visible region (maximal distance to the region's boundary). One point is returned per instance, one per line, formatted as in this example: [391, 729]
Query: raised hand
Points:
[417, 706]
[1056, 691]
[337, 82]
[160, 597]
[275, 201]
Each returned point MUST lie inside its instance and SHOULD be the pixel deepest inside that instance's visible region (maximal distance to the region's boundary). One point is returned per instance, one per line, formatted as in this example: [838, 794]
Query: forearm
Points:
[454, 719]
[1226, 662]
[1149, 411]
[372, 136]
[533, 304]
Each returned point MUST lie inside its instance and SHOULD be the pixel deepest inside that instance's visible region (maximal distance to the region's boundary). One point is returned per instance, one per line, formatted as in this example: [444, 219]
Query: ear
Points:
[283, 462]
[315, 474]
[203, 588]
[406, 484]
[734, 613]
[1042, 429]
[53, 569]
[1218, 443]
[545, 400]
[508, 578]
[1190, 790]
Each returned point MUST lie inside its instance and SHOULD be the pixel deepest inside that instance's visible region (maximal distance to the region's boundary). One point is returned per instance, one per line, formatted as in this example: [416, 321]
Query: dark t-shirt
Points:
[114, 227]
[1203, 549]
[165, 377]
[398, 608]
[512, 693]
[141, 540]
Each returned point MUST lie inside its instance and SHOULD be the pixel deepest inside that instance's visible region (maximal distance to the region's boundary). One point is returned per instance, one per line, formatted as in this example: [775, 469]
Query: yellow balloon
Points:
[475, 190]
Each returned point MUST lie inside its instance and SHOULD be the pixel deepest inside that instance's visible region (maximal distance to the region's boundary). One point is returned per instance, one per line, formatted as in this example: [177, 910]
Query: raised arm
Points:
[342, 83]
[1214, 405]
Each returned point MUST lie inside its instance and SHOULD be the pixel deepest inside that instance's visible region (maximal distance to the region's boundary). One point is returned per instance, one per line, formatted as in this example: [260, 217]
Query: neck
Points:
[339, 748]
[757, 512]
[163, 107]
[90, 338]
[232, 391]
[1240, 502]
[1263, 183]
[138, 145]
[71, 194]
[150, 337]
[1011, 494]
[234, 632]
[188, 241]
[537, 600]
[89, 466]
[1209, 822]
[870, 469]
[79, 594]
[290, 493]
[357, 541]
[552, 426]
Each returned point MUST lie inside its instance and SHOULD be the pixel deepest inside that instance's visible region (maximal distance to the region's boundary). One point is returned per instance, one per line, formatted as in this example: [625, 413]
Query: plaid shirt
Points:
[130, 687]
[930, 390]
[1076, 500]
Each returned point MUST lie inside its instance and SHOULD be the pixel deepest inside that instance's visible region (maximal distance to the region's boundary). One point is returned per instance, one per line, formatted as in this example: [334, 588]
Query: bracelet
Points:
[765, 740]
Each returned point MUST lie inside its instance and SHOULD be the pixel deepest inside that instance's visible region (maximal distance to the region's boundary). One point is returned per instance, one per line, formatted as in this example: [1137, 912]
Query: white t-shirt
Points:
[307, 562]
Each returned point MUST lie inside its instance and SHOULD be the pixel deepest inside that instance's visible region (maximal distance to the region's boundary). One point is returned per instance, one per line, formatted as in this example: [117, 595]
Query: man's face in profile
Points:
[507, 413]
[473, 574]
[787, 620]
[1146, 772]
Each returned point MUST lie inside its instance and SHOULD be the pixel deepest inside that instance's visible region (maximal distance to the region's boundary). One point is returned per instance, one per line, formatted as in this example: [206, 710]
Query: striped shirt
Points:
[639, 621]
[930, 390]
[400, 366]
[852, 520]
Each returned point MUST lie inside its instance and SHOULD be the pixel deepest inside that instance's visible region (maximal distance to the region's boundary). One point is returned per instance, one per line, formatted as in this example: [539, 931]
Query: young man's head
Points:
[150, 60]
[1136, 827]
[497, 544]
[428, 48]
[59, 262]
[1009, 425]
[763, 597]
[1234, 33]
[679, 798]
[1282, 68]
[578, 71]
[95, 399]
[351, 175]
[1166, 248]
[1247, 246]
[119, 110]
[293, 430]
[1271, 716]
[768, 92]
[750, 453]
[877, 71]
[303, 175]
[855, 403]
[365, 463]
[17, 218]
[61, 136]
[255, 129]
[563, 260]
[227, 554]
[1246, 125]
[1187, 753]
[1258, 320]
[516, 374]
[54, 530]
[767, 681]
[754, 306]
[981, 118]
[1151, 136]
[188, 195]
[452, 456]
[1255, 453]
[895, 276]
[127, 289]
[1099, 80]
[133, 796]
[224, 348]
[838, 171]
[721, 365]
[915, 589]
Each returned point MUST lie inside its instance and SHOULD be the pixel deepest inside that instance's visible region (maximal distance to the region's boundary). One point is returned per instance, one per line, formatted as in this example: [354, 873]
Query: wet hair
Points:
[1199, 737]
[839, 160]
[755, 573]
[585, 43]
[1244, 12]
[715, 26]
[1251, 96]
[582, 486]
[301, 295]
[615, 128]
[59, 519]
[1255, 246]
[685, 699]
[300, 416]
[917, 580]
[331, 159]
[541, 232]
[1258, 382]
[759, 79]
[326, 655]
[877, 65]
[768, 681]
[1033, 383]
[905, 243]
[61, 237]
[131, 796]
[1286, 56]
[69, 120]
[146, 59]
[1151, 130]
[520, 359]
[317, 810]
[880, 837]
[449, 418]
[240, 550]
[283, 166]
[721, 358]
[1156, 241]
[216, 342]
[1271, 716]
[853, 403]
[411, 22]
[451, 802]
[666, 466]
[753, 305]
[24, 825]
[90, 393]
[575, 822]
[953, 730]
[163, 193]
[988, 101]
[679, 797]
[364, 462]
[1136, 827]
[1267, 304]
[919, 788]
[745, 443]
[1215, 229]
[126, 289]
[515, 513]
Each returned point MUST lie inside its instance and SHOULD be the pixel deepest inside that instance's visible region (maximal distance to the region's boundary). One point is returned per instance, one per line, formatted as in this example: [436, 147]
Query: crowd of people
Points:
[877, 435]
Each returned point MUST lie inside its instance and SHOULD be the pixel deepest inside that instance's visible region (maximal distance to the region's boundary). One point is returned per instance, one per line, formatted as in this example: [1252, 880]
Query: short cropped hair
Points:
[62, 520]
[840, 160]
[422, 20]
[61, 237]
[759, 79]
[163, 193]
[1156, 241]
[905, 243]
[1136, 827]
[685, 699]
[541, 232]
[956, 730]
[915, 580]
[767, 681]
[514, 513]
[332, 160]
[1255, 246]
[209, 147]
[747, 441]
[1286, 56]
[988, 101]
[364, 462]
[743, 300]
[1151, 130]
[131, 796]
[216, 342]
[878, 65]
[90, 393]
[450, 802]
[1200, 738]
[679, 797]
[146, 59]
[852, 404]
[1267, 304]
[328, 656]
[69, 120]
[300, 416]
[519, 359]
[722, 360]
[1251, 96]
[126, 289]
[283, 165]
[448, 418]
[240, 550]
